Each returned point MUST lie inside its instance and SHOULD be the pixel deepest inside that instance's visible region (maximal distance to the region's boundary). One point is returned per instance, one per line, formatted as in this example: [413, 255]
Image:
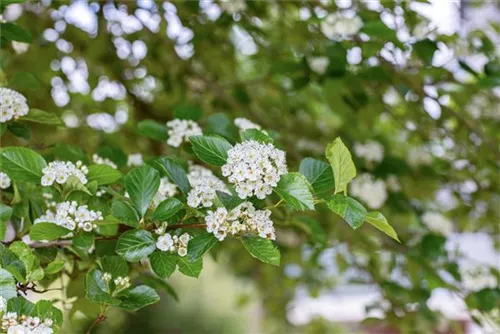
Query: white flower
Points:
[175, 244]
[12, 105]
[418, 156]
[233, 6]
[318, 64]
[393, 183]
[179, 130]
[106, 277]
[243, 219]
[103, 161]
[477, 277]
[254, 168]
[70, 215]
[204, 186]
[42, 329]
[3, 304]
[20, 47]
[18, 329]
[371, 151]
[122, 282]
[134, 160]
[60, 171]
[166, 190]
[4, 181]
[245, 124]
[339, 26]
[437, 223]
[372, 192]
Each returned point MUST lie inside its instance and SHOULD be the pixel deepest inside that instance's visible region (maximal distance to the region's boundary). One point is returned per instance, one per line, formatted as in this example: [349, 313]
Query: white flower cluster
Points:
[70, 215]
[204, 186]
[371, 151]
[13, 324]
[338, 25]
[244, 219]
[103, 161]
[393, 184]
[437, 223]
[318, 64]
[245, 124]
[175, 244]
[372, 192]
[20, 47]
[166, 190]
[12, 105]
[134, 160]
[180, 130]
[60, 171]
[254, 168]
[122, 282]
[417, 156]
[4, 181]
[477, 277]
[233, 6]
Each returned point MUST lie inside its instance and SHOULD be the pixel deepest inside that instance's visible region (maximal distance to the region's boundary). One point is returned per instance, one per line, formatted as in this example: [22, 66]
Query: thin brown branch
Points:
[100, 318]
[176, 226]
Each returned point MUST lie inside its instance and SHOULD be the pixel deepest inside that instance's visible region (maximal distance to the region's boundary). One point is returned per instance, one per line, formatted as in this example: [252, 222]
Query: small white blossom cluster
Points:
[12, 105]
[245, 124]
[168, 243]
[417, 157]
[204, 186]
[167, 189]
[70, 215]
[233, 6]
[393, 184]
[134, 160]
[103, 161]
[477, 277]
[371, 151]
[254, 168]
[60, 171]
[4, 181]
[180, 130]
[13, 324]
[338, 25]
[20, 47]
[372, 192]
[437, 223]
[122, 282]
[241, 220]
[318, 64]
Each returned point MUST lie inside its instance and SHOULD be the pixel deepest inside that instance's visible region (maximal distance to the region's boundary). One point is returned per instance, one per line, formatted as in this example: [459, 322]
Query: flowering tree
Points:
[160, 149]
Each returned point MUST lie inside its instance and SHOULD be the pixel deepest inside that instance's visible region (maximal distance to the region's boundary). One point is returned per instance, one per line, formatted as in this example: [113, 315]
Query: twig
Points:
[100, 318]
[175, 226]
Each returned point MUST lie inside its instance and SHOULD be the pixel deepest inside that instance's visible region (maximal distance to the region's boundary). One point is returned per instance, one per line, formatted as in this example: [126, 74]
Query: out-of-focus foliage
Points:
[419, 118]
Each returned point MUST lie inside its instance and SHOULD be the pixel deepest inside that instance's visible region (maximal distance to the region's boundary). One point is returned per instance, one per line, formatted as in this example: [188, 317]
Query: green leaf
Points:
[45, 310]
[319, 174]
[159, 283]
[167, 209]
[379, 29]
[54, 267]
[22, 164]
[41, 117]
[5, 212]
[19, 130]
[135, 245]
[7, 285]
[220, 124]
[138, 297]
[125, 213]
[254, 134]
[11, 262]
[191, 269]
[114, 154]
[152, 129]
[73, 184]
[212, 150]
[142, 183]
[199, 245]
[341, 161]
[187, 111]
[82, 244]
[20, 305]
[378, 220]
[294, 189]
[163, 263]
[24, 253]
[24, 80]
[425, 50]
[114, 265]
[13, 32]
[229, 201]
[174, 172]
[68, 152]
[103, 174]
[348, 208]
[47, 231]
[262, 249]
[97, 290]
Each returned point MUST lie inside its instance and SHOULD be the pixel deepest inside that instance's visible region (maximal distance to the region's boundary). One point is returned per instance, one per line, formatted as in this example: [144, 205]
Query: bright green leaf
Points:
[163, 263]
[319, 174]
[174, 172]
[262, 249]
[13, 32]
[22, 164]
[125, 213]
[378, 220]
[47, 231]
[138, 297]
[142, 183]
[153, 129]
[103, 174]
[212, 150]
[167, 209]
[191, 269]
[135, 245]
[41, 117]
[199, 245]
[341, 161]
[54, 267]
[254, 134]
[348, 208]
[295, 190]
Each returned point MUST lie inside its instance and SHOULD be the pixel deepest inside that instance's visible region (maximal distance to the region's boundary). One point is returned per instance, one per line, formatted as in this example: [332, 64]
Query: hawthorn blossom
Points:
[318, 64]
[103, 161]
[179, 131]
[371, 151]
[60, 171]
[254, 168]
[372, 192]
[122, 282]
[204, 186]
[393, 183]
[244, 219]
[245, 124]
[174, 244]
[4, 181]
[71, 215]
[418, 156]
[12, 105]
[12, 323]
[134, 160]
[437, 223]
[233, 6]
[339, 26]
[476, 277]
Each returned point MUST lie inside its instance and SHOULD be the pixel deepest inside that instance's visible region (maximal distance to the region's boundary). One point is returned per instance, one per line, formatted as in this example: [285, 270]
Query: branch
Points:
[100, 318]
[176, 226]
